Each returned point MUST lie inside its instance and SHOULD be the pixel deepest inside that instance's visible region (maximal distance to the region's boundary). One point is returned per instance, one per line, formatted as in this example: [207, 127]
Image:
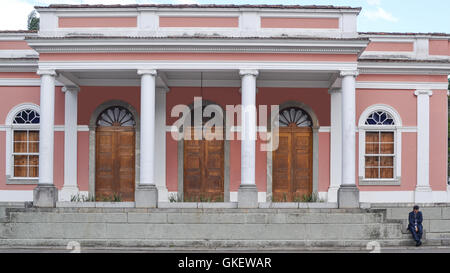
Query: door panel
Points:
[115, 162]
[203, 170]
[282, 167]
[292, 164]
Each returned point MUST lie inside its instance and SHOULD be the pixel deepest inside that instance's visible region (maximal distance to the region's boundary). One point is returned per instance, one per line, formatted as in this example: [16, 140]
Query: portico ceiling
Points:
[206, 78]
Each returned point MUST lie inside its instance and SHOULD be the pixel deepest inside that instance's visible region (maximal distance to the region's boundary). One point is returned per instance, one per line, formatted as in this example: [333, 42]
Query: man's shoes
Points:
[419, 243]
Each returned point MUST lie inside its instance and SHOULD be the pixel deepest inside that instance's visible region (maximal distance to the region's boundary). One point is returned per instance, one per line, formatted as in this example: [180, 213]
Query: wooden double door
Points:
[203, 177]
[292, 164]
[115, 163]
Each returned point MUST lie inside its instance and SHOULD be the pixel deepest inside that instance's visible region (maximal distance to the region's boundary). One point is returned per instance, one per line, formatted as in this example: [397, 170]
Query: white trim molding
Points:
[423, 191]
[396, 129]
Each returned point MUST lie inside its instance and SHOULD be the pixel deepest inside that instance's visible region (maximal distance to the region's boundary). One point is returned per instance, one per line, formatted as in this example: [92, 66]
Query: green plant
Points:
[175, 198]
[311, 198]
[82, 198]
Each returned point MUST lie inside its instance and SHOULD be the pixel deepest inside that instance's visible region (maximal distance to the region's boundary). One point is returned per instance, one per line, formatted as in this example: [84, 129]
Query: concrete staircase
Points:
[201, 228]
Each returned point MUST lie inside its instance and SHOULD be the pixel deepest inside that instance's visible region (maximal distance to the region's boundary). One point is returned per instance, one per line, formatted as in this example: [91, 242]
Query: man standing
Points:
[415, 224]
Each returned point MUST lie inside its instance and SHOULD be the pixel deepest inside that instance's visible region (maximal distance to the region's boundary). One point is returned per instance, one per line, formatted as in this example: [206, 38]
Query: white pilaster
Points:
[335, 144]
[423, 192]
[160, 148]
[147, 193]
[47, 123]
[70, 143]
[348, 195]
[248, 194]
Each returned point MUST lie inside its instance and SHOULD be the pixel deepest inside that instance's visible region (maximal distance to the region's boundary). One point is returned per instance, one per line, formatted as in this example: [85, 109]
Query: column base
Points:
[348, 197]
[45, 196]
[146, 196]
[247, 196]
[423, 195]
[163, 194]
[332, 195]
[66, 193]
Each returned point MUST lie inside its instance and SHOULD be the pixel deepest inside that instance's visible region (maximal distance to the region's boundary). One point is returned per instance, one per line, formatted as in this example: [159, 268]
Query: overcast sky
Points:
[377, 15]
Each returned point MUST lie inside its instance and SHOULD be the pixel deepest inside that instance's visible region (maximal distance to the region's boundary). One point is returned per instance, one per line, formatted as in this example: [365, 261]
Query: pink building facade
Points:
[88, 106]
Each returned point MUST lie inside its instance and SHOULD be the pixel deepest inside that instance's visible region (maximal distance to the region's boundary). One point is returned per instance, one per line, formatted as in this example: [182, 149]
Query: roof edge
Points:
[68, 6]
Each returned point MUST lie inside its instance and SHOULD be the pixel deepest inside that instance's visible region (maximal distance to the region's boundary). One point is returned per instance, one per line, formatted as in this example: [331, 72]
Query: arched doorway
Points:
[115, 136]
[203, 163]
[292, 170]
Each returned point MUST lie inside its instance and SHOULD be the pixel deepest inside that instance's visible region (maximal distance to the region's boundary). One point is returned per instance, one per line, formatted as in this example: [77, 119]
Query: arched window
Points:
[294, 117]
[23, 144]
[379, 146]
[116, 116]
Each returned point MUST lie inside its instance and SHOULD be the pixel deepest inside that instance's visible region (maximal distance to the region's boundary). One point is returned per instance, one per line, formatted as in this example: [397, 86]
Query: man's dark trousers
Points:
[416, 235]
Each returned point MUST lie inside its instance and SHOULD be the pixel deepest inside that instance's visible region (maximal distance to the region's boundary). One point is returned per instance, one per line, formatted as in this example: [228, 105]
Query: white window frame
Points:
[10, 128]
[396, 129]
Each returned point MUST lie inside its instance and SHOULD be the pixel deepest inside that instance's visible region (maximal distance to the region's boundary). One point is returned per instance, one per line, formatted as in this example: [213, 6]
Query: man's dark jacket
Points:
[419, 219]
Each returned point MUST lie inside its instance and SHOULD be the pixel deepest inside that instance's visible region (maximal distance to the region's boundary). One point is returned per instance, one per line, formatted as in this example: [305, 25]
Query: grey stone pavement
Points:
[423, 249]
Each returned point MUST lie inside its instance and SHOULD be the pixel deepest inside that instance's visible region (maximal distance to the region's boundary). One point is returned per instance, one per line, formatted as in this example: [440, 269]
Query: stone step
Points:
[282, 231]
[195, 217]
[215, 245]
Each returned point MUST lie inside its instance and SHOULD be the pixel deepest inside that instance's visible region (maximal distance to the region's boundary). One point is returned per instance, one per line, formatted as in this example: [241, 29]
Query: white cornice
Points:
[402, 85]
[199, 45]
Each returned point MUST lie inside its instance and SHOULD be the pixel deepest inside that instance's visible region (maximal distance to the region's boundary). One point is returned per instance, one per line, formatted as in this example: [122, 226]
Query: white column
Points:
[348, 195]
[147, 193]
[248, 194]
[348, 127]
[148, 98]
[160, 148]
[70, 142]
[46, 194]
[47, 124]
[335, 144]
[248, 123]
[423, 193]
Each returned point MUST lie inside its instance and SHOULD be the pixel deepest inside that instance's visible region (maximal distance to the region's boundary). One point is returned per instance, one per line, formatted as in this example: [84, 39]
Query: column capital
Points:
[50, 72]
[151, 72]
[70, 88]
[252, 72]
[423, 92]
[345, 73]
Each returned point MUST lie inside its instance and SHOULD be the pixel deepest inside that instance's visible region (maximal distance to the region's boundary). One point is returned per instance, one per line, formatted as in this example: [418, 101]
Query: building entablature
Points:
[178, 20]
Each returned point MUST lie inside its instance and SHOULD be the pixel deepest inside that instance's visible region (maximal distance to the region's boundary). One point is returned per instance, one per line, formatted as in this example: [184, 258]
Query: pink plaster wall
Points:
[90, 97]
[171, 163]
[179, 21]
[283, 22]
[83, 161]
[401, 78]
[438, 140]
[93, 22]
[58, 160]
[15, 95]
[198, 56]
[388, 46]
[404, 101]
[317, 99]
[439, 47]
[18, 75]
[14, 45]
